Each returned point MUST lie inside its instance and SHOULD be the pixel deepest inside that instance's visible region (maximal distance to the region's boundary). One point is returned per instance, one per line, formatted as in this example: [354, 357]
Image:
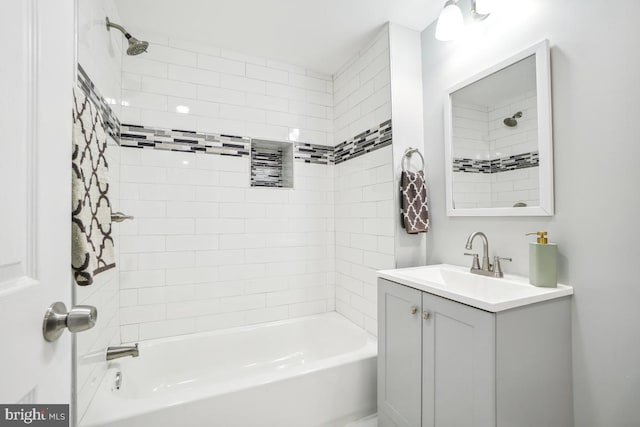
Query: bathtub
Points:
[311, 371]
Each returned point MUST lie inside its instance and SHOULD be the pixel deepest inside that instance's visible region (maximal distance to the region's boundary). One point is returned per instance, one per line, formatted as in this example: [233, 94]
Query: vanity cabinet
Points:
[443, 363]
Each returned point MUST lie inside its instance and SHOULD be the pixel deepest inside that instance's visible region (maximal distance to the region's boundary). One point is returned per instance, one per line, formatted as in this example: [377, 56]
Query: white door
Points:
[36, 76]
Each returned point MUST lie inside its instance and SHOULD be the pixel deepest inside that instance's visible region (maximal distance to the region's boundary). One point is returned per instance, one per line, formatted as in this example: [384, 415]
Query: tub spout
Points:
[117, 352]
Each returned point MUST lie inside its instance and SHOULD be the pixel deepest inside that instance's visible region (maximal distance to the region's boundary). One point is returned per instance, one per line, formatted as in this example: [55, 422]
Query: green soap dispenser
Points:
[543, 262]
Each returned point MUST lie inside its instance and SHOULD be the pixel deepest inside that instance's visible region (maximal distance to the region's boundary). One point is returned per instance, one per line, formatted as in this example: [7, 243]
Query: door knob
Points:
[414, 309]
[426, 315]
[78, 319]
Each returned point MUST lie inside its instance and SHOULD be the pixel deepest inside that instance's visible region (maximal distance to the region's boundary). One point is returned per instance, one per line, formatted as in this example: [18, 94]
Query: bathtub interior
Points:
[312, 371]
[238, 357]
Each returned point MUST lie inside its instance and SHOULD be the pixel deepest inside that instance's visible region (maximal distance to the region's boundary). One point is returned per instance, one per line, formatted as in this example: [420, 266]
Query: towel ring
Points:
[407, 155]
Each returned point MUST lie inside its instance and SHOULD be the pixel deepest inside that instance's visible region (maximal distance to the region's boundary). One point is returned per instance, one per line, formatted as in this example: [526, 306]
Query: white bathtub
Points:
[312, 371]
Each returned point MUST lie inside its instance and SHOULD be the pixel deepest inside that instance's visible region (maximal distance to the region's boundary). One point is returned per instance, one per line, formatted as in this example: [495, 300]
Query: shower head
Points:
[512, 121]
[136, 47]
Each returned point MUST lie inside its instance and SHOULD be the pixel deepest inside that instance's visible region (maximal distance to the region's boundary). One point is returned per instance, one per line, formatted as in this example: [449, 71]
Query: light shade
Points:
[450, 23]
[484, 7]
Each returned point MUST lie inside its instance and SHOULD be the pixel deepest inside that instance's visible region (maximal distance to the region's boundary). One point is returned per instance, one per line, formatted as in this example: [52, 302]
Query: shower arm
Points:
[119, 27]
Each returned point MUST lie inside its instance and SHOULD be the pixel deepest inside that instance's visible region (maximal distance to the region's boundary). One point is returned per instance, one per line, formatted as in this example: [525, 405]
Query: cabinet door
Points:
[458, 368]
[399, 355]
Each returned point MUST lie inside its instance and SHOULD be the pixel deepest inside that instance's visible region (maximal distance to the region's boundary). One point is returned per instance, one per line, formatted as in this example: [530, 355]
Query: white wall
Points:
[595, 88]
[206, 251]
[226, 92]
[406, 107]
[362, 90]
[100, 54]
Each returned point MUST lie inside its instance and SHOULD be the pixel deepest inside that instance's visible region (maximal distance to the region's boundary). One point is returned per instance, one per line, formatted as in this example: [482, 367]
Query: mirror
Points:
[498, 139]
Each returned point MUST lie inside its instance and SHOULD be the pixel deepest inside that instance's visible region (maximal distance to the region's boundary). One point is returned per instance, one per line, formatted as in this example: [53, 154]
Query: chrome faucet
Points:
[117, 352]
[487, 269]
[485, 248]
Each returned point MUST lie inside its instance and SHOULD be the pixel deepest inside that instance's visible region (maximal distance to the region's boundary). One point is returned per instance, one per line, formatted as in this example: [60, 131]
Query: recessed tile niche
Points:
[271, 164]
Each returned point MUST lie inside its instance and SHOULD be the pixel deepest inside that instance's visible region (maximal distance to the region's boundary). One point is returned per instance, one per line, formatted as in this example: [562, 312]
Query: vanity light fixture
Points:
[483, 7]
[451, 22]
[480, 9]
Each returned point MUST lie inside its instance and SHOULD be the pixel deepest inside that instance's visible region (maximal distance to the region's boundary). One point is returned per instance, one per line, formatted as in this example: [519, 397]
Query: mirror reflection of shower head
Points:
[512, 121]
[136, 47]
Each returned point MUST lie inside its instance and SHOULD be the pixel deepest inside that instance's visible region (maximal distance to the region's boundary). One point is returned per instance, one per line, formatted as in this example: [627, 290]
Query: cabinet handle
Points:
[414, 309]
[426, 315]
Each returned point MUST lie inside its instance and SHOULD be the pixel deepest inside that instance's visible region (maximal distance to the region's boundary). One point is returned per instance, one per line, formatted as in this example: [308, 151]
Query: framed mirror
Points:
[498, 139]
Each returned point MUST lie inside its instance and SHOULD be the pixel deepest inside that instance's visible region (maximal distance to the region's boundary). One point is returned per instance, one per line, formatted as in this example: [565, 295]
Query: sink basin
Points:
[487, 293]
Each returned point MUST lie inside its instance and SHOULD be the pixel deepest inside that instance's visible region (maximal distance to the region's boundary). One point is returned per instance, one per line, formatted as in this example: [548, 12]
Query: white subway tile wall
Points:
[471, 141]
[206, 251]
[480, 134]
[364, 227]
[471, 131]
[364, 208]
[362, 90]
[522, 185]
[190, 86]
[100, 51]
[102, 294]
[523, 138]
[100, 54]
[472, 190]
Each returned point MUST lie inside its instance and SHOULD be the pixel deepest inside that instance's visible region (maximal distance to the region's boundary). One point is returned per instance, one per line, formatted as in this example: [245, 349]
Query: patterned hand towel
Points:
[413, 199]
[92, 245]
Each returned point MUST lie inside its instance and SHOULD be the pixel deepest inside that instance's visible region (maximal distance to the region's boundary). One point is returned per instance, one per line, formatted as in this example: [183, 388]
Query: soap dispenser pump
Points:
[543, 259]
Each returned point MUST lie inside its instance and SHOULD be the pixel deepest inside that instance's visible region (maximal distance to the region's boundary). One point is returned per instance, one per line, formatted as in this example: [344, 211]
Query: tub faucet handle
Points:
[118, 380]
[119, 217]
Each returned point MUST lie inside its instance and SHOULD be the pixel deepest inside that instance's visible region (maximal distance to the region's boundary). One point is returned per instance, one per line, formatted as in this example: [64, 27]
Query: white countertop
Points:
[487, 293]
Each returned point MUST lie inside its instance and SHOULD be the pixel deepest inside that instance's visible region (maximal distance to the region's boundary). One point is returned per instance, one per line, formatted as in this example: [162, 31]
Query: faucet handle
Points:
[497, 268]
[476, 262]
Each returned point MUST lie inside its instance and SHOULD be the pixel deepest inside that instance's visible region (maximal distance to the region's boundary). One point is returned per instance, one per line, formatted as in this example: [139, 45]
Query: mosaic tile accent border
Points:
[111, 122]
[189, 141]
[313, 153]
[503, 164]
[266, 167]
[136, 136]
[370, 140]
[183, 141]
[471, 165]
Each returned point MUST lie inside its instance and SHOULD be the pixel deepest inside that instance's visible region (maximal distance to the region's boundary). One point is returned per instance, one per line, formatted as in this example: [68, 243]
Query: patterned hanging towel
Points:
[413, 199]
[92, 245]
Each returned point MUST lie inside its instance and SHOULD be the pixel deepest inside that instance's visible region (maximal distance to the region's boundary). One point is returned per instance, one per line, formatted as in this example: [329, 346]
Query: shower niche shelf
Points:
[271, 164]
